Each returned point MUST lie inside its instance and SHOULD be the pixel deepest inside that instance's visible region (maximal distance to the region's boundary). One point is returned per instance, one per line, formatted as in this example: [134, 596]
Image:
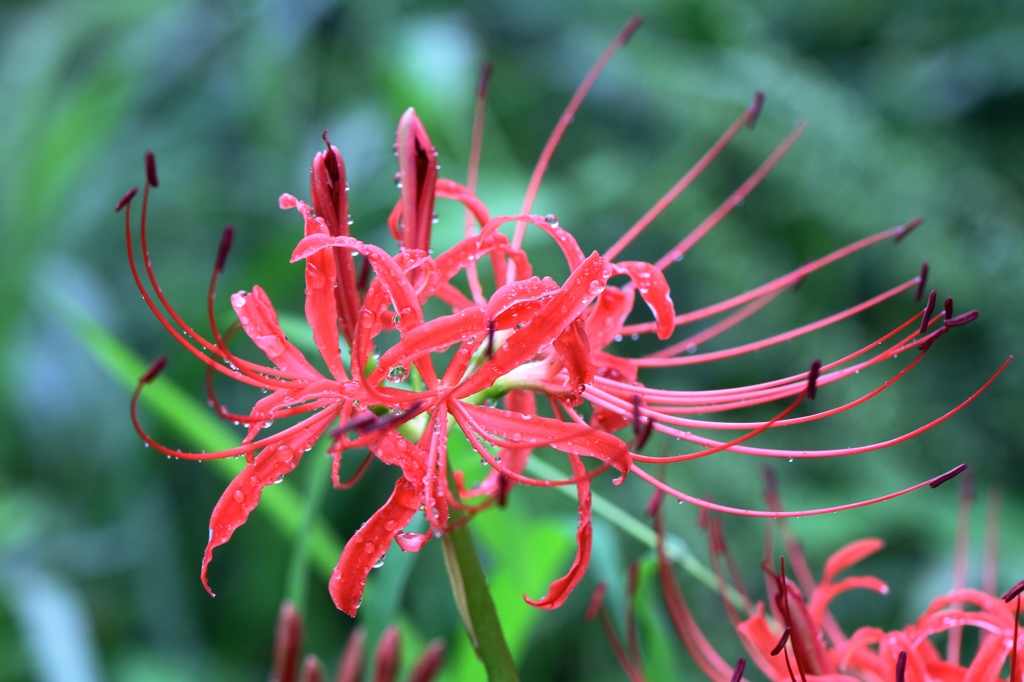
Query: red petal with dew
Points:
[369, 544]
[573, 350]
[243, 493]
[568, 303]
[532, 431]
[394, 450]
[608, 316]
[563, 587]
[653, 288]
[323, 297]
[259, 320]
[432, 336]
[389, 273]
[515, 293]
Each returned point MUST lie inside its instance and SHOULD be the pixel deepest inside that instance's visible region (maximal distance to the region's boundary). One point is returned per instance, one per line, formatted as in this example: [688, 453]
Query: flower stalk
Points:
[473, 599]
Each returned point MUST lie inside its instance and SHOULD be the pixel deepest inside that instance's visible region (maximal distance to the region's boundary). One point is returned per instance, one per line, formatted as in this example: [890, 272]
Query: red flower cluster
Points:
[796, 637]
[530, 337]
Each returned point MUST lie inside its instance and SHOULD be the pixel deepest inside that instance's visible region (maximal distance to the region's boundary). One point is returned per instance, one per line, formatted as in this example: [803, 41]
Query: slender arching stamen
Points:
[733, 200]
[712, 396]
[746, 118]
[230, 358]
[477, 140]
[780, 282]
[566, 118]
[692, 342]
[319, 421]
[203, 343]
[773, 514]
[664, 358]
[961, 554]
[666, 415]
[813, 454]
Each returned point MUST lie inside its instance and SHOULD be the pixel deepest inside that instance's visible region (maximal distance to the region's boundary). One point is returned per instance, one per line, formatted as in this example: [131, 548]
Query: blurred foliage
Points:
[913, 108]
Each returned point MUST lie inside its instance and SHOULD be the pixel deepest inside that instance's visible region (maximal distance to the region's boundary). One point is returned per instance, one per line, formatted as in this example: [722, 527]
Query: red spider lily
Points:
[529, 337]
[288, 647]
[797, 638]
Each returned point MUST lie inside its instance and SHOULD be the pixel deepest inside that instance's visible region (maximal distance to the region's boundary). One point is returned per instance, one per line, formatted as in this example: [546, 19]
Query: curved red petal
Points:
[259, 320]
[849, 555]
[243, 493]
[563, 587]
[568, 303]
[532, 431]
[369, 544]
[650, 282]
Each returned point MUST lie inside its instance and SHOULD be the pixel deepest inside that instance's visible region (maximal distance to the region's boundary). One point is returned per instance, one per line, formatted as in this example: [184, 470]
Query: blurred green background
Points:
[913, 108]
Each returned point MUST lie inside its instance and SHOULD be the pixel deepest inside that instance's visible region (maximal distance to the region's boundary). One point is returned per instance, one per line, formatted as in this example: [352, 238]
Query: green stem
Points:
[297, 577]
[473, 599]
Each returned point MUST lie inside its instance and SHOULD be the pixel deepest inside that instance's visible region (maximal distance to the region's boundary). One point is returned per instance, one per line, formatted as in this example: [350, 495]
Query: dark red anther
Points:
[357, 423]
[503, 488]
[947, 308]
[393, 420]
[962, 319]
[906, 229]
[901, 667]
[1013, 592]
[754, 110]
[225, 246]
[126, 199]
[926, 342]
[737, 673]
[154, 370]
[596, 600]
[646, 428]
[777, 649]
[922, 279]
[151, 170]
[654, 503]
[630, 29]
[929, 308]
[331, 161]
[641, 426]
[812, 379]
[287, 643]
[948, 476]
[485, 80]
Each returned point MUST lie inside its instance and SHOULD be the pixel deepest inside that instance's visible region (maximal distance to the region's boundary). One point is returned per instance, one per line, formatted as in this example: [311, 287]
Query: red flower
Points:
[796, 637]
[531, 336]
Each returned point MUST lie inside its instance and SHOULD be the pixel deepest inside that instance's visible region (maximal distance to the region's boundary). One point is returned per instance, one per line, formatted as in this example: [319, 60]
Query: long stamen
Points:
[565, 119]
[665, 359]
[732, 201]
[773, 514]
[747, 118]
[782, 282]
[174, 331]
